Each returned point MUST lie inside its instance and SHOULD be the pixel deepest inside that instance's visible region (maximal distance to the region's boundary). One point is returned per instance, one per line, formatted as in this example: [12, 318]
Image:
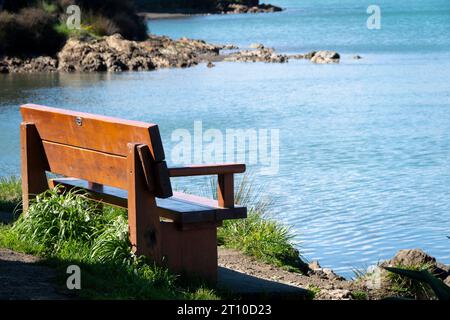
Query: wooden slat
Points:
[145, 157]
[181, 208]
[85, 164]
[203, 170]
[89, 131]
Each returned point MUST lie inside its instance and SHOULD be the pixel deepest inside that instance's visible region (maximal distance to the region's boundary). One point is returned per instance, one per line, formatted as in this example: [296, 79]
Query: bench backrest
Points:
[92, 147]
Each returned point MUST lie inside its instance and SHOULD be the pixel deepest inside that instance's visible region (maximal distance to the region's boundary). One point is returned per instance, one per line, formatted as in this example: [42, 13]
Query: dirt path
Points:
[22, 277]
[324, 288]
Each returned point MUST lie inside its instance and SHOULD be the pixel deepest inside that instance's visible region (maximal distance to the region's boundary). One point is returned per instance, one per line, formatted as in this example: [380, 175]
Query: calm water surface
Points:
[364, 145]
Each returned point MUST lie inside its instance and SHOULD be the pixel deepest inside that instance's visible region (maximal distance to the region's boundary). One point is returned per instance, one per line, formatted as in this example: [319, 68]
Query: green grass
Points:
[360, 295]
[10, 194]
[66, 228]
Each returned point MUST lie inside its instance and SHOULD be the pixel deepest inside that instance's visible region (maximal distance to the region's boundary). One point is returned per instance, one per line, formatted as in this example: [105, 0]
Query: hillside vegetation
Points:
[34, 27]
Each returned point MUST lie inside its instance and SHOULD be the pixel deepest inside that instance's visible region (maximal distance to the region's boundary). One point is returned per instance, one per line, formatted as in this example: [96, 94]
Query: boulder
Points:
[326, 56]
[418, 258]
[412, 257]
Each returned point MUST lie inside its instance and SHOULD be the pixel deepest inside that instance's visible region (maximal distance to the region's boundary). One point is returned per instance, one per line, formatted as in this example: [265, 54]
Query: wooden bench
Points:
[121, 162]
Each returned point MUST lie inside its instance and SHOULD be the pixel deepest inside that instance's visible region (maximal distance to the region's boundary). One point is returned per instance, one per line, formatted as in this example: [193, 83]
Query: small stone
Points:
[210, 65]
[314, 265]
[357, 57]
[447, 281]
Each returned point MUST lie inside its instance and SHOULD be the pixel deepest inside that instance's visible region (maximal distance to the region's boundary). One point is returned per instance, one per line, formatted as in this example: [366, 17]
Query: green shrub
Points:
[30, 31]
[56, 217]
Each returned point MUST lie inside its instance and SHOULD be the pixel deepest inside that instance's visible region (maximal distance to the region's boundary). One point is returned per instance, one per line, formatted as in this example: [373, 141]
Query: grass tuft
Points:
[410, 287]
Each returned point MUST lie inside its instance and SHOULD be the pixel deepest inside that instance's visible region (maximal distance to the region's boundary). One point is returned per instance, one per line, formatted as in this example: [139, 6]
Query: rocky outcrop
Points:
[261, 54]
[28, 65]
[117, 54]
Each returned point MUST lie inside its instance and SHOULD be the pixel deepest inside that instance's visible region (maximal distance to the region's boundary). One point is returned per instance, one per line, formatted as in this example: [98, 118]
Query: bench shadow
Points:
[8, 217]
[28, 280]
[251, 287]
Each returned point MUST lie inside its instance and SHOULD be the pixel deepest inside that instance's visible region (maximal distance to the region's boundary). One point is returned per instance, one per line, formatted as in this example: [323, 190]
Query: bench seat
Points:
[181, 208]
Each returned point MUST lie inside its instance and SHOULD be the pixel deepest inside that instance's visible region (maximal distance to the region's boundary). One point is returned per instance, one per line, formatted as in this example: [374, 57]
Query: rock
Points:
[331, 275]
[326, 56]
[324, 273]
[210, 65]
[412, 257]
[418, 258]
[357, 57]
[447, 281]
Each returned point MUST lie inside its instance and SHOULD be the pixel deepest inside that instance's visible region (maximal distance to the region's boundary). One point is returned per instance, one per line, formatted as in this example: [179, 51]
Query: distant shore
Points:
[168, 15]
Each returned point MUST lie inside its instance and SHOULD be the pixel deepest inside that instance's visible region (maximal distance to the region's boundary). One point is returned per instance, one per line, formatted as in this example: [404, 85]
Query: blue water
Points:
[364, 166]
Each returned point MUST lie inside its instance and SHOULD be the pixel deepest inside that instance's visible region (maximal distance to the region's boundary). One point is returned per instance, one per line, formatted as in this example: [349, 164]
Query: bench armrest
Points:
[225, 179]
[204, 170]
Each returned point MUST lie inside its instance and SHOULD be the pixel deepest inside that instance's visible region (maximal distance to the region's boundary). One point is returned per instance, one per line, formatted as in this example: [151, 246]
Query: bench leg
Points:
[143, 218]
[34, 164]
[192, 251]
